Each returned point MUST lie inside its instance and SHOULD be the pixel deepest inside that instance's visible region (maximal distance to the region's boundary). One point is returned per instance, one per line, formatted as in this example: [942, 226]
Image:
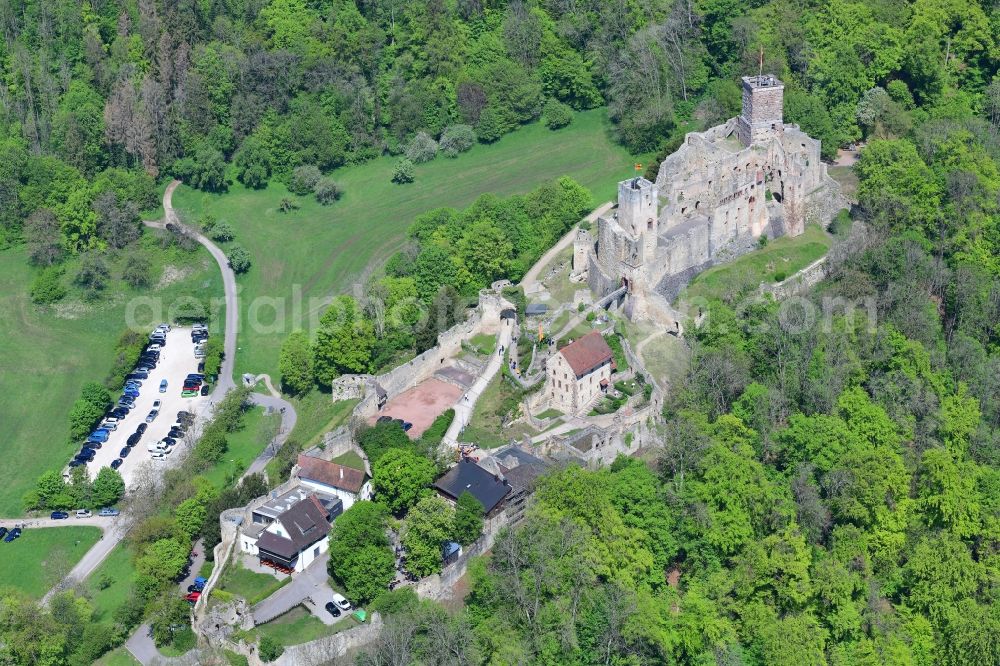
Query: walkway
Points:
[531, 276]
[313, 580]
[465, 406]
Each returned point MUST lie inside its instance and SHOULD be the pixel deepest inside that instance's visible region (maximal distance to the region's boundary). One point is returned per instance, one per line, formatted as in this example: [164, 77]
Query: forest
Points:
[824, 493]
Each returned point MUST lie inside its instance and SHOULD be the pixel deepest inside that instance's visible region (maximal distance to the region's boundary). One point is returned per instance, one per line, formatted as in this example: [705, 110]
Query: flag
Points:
[638, 167]
[541, 335]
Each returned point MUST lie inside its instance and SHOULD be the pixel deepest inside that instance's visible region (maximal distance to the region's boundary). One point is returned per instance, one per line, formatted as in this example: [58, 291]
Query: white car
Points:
[157, 456]
[342, 603]
[83, 513]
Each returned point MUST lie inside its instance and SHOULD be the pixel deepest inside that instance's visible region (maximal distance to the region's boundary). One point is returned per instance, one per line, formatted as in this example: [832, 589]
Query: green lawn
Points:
[350, 459]
[244, 445]
[117, 657]
[300, 626]
[319, 251]
[484, 343]
[110, 584]
[783, 255]
[317, 414]
[43, 556]
[484, 427]
[48, 353]
[252, 586]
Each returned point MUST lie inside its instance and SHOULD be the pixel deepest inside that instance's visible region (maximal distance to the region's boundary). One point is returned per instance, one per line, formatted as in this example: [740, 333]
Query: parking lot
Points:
[177, 360]
[422, 404]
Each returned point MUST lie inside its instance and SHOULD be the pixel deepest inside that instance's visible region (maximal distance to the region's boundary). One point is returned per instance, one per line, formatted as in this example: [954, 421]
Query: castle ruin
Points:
[712, 200]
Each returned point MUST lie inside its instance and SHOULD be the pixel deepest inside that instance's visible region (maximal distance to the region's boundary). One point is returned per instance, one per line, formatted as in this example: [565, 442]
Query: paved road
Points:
[531, 276]
[228, 283]
[141, 645]
[312, 581]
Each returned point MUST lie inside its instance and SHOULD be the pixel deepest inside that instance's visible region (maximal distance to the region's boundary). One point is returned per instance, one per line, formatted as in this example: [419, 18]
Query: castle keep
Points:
[712, 200]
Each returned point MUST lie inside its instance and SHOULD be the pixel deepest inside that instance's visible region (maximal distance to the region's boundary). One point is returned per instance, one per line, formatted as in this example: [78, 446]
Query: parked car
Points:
[154, 347]
[204, 389]
[120, 412]
[59, 515]
[332, 609]
[126, 401]
[342, 603]
[157, 403]
[153, 413]
[384, 419]
[192, 596]
[175, 433]
[132, 440]
[116, 463]
[196, 587]
[85, 456]
[3, 532]
[189, 393]
[91, 445]
[13, 534]
[100, 435]
[163, 386]
[83, 513]
[159, 455]
[76, 463]
[141, 428]
[138, 374]
[124, 452]
[109, 425]
[108, 511]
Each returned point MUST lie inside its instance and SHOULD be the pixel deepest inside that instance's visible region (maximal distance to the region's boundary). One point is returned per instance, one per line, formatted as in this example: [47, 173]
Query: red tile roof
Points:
[331, 473]
[587, 354]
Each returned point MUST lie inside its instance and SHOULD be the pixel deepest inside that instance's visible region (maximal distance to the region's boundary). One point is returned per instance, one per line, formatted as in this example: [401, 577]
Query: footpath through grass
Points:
[305, 256]
[42, 556]
[48, 353]
[781, 257]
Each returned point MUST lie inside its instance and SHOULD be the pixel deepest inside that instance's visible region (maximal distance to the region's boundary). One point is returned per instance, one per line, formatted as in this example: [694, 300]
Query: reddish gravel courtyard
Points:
[422, 404]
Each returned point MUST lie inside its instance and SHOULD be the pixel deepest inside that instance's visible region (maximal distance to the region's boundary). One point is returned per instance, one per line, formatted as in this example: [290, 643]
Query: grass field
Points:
[244, 445]
[49, 352]
[318, 251]
[250, 585]
[117, 657]
[300, 626]
[783, 255]
[43, 556]
[110, 584]
[350, 459]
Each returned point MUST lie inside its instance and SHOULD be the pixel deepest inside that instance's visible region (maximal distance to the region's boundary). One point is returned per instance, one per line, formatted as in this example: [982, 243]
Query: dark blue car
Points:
[116, 463]
[59, 515]
[13, 534]
[124, 452]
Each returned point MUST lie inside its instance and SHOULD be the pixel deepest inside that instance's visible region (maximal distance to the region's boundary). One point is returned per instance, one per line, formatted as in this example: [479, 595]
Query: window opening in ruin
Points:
[649, 224]
[696, 204]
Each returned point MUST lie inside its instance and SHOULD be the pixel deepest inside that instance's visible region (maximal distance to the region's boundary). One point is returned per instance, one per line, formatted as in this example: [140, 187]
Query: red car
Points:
[192, 596]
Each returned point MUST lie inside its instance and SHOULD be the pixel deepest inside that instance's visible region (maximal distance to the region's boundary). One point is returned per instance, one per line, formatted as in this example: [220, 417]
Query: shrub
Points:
[136, 271]
[556, 114]
[47, 286]
[456, 139]
[207, 222]
[269, 649]
[762, 242]
[422, 148]
[841, 223]
[239, 259]
[403, 171]
[222, 232]
[304, 179]
[779, 276]
[287, 205]
[327, 191]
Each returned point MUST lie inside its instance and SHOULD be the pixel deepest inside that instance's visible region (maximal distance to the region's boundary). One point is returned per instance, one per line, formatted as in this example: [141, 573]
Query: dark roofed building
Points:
[488, 488]
[296, 537]
[521, 470]
[536, 309]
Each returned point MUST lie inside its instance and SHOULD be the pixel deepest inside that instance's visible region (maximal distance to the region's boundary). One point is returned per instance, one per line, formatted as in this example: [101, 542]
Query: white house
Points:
[331, 478]
[290, 531]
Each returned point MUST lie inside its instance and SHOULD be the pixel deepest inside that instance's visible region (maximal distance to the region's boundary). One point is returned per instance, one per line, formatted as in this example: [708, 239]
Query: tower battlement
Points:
[763, 109]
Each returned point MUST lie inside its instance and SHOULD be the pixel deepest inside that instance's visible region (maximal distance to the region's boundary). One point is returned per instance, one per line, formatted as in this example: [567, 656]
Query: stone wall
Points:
[327, 649]
[485, 319]
[800, 282]
[441, 587]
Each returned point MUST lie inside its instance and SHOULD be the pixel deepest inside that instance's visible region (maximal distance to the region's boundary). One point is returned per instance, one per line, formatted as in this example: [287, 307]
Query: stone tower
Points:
[638, 204]
[762, 117]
